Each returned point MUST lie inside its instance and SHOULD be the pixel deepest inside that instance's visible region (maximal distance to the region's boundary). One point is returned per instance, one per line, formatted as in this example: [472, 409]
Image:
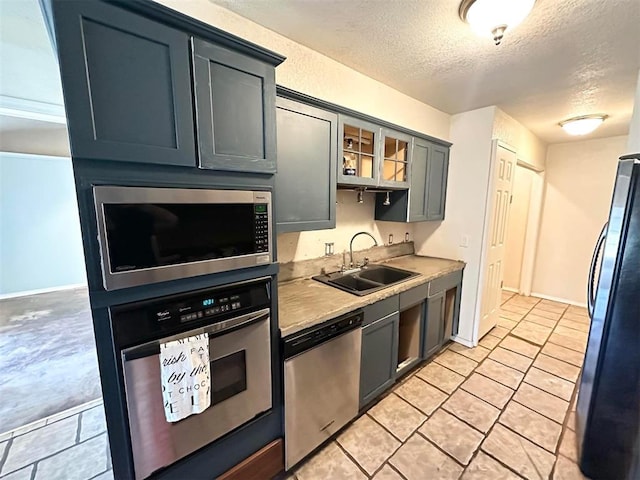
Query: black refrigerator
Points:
[608, 410]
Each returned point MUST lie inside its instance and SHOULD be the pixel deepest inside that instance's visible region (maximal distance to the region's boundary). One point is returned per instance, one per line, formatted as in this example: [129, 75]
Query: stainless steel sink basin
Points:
[367, 279]
[385, 275]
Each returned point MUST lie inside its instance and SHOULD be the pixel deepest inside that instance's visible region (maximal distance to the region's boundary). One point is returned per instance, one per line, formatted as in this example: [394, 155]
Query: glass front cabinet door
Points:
[359, 153]
[395, 159]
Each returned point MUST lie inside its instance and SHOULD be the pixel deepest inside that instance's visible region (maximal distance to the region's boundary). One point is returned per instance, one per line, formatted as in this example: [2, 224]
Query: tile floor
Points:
[502, 410]
[37, 327]
[71, 445]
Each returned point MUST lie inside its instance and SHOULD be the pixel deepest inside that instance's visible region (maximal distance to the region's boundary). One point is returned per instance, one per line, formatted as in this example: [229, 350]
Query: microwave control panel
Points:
[261, 223]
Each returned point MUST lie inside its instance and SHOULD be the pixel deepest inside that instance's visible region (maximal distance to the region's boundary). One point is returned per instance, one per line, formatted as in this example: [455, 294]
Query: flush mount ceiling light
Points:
[582, 125]
[493, 17]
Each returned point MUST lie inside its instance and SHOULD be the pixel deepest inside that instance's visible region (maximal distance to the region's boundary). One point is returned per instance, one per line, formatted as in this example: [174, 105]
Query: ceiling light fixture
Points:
[582, 125]
[494, 16]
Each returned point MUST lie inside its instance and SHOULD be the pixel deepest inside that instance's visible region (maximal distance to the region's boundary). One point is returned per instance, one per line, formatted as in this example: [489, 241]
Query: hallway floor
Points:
[502, 410]
[43, 335]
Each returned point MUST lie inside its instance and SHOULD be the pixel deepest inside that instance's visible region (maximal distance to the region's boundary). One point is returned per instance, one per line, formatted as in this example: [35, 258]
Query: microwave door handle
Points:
[153, 348]
[591, 287]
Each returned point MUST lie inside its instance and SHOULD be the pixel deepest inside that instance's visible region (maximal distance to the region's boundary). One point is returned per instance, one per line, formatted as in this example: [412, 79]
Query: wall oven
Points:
[236, 317]
[149, 235]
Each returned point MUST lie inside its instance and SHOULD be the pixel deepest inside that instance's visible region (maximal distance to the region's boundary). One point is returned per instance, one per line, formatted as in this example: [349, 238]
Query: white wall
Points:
[529, 148]
[579, 184]
[310, 72]
[633, 144]
[23, 135]
[351, 217]
[466, 206]
[40, 243]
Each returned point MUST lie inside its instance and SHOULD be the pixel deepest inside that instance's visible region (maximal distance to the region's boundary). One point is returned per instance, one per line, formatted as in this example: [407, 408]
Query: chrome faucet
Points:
[366, 260]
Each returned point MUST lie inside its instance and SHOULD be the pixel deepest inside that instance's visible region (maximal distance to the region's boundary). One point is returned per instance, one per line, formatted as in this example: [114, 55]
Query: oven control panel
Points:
[161, 317]
[200, 307]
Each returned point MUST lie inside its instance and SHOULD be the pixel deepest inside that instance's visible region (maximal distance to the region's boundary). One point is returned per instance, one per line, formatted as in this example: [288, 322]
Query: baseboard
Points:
[266, 463]
[558, 299]
[41, 290]
[462, 341]
[509, 289]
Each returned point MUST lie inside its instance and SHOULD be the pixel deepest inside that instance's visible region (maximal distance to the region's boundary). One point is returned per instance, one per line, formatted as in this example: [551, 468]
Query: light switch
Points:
[464, 241]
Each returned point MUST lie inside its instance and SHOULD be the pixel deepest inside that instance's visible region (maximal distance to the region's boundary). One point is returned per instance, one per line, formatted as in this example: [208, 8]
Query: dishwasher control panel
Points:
[318, 334]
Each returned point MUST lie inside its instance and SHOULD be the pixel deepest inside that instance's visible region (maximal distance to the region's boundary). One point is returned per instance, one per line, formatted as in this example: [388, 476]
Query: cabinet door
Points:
[437, 182]
[127, 85]
[307, 155]
[379, 357]
[418, 189]
[235, 109]
[358, 153]
[395, 158]
[433, 327]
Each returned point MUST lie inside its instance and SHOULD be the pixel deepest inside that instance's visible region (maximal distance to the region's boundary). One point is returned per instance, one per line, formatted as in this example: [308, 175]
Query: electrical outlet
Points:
[328, 249]
[391, 239]
[464, 241]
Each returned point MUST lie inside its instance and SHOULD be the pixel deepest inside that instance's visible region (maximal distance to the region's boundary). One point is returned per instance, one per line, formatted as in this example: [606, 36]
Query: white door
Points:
[503, 171]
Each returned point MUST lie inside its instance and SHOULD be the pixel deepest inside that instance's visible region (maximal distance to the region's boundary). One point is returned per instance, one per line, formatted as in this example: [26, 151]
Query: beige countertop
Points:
[304, 303]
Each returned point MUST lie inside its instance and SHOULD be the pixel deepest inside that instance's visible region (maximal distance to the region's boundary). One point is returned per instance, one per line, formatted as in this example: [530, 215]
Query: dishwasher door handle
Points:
[327, 425]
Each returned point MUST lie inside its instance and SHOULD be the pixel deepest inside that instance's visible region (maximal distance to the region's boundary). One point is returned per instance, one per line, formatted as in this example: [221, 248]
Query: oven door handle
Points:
[153, 348]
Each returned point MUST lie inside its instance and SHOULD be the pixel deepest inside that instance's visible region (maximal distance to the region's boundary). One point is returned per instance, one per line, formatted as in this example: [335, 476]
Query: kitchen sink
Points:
[366, 280]
[351, 282]
[385, 275]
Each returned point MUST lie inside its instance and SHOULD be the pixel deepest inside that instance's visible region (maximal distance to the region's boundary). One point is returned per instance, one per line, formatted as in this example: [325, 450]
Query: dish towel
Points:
[185, 376]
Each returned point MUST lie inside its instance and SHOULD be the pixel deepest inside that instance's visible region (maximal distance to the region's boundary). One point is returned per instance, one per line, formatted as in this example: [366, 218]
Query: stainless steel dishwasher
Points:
[321, 383]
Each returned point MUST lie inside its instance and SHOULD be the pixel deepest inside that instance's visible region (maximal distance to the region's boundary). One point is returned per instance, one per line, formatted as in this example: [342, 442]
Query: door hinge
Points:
[511, 200]
[501, 283]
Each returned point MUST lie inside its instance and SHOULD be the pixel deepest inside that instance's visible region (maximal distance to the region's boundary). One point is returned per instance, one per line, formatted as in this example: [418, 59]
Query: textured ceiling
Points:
[568, 58]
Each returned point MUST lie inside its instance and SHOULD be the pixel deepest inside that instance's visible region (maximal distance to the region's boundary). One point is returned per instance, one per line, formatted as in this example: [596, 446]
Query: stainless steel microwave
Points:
[150, 235]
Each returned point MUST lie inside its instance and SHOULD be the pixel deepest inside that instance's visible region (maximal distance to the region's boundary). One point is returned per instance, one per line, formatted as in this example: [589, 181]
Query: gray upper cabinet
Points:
[359, 152]
[127, 85]
[437, 182]
[395, 158]
[417, 208]
[235, 110]
[307, 140]
[425, 199]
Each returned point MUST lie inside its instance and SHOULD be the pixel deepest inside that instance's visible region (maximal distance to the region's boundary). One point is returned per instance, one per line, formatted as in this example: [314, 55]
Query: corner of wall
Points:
[529, 148]
[633, 143]
[469, 167]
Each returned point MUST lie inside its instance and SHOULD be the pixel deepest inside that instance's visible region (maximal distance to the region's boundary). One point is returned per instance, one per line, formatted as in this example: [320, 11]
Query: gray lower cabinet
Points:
[401, 331]
[433, 333]
[442, 312]
[307, 140]
[425, 199]
[127, 85]
[235, 110]
[379, 357]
